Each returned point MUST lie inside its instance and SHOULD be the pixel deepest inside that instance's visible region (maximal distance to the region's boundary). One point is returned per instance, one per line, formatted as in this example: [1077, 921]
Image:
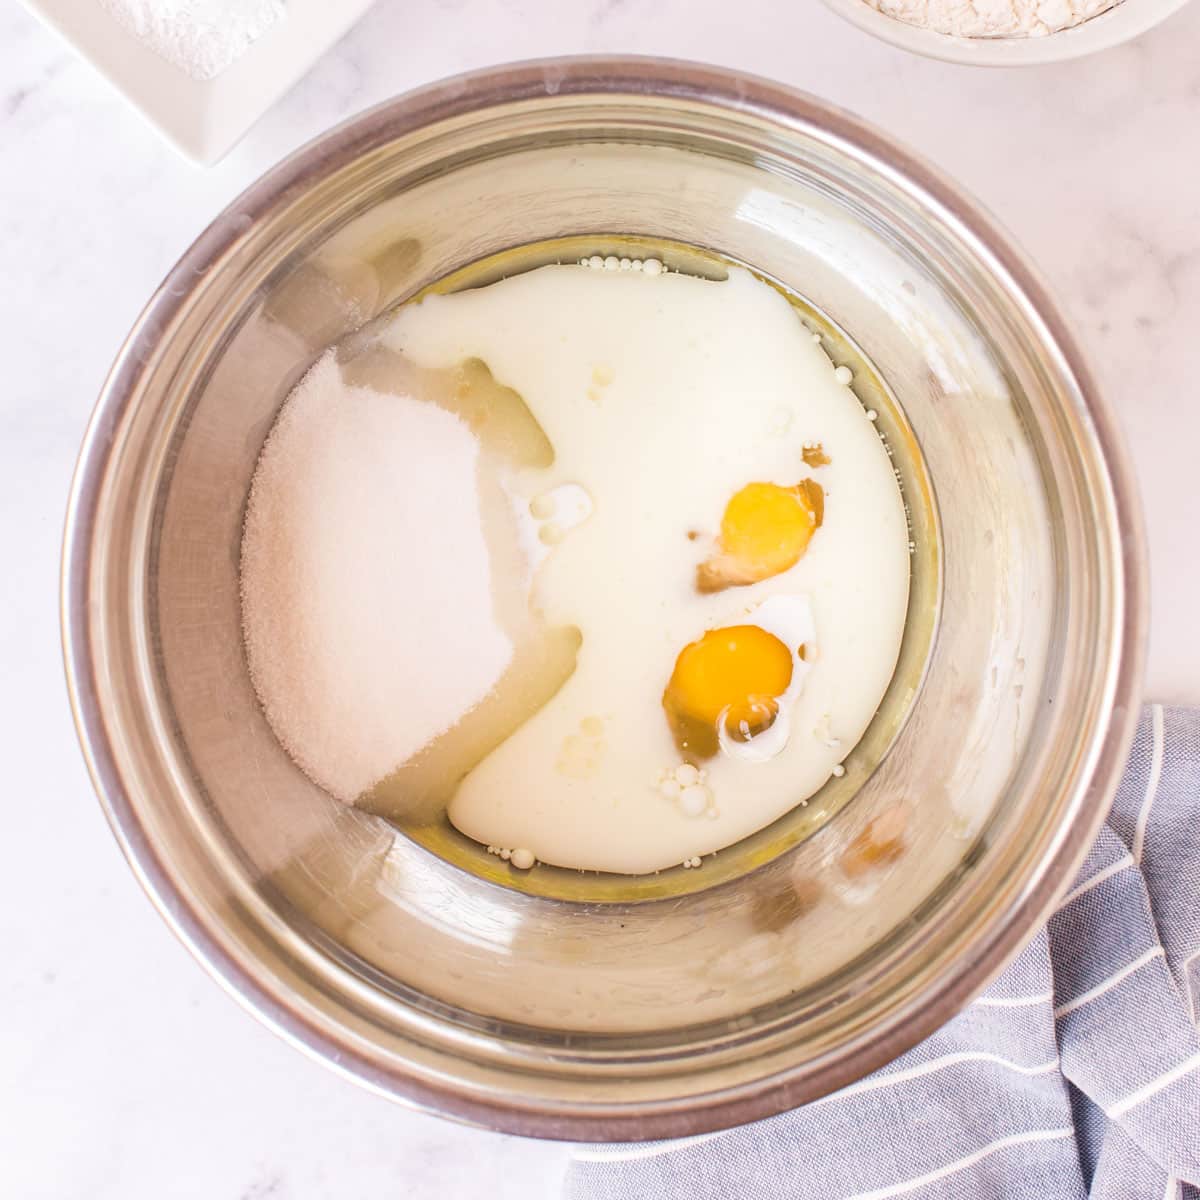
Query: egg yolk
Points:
[765, 531]
[731, 676]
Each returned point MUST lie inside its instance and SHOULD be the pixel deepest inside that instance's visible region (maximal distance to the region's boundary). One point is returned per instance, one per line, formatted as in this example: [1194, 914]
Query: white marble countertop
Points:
[124, 1072]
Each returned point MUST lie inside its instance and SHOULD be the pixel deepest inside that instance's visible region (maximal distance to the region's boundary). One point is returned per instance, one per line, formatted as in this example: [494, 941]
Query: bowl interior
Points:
[642, 1016]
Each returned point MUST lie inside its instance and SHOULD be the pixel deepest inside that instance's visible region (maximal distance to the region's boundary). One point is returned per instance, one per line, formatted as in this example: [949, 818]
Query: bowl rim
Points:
[1124, 21]
[1005, 934]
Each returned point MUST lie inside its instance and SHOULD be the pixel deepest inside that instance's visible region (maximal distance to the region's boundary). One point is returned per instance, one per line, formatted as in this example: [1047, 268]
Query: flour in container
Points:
[200, 37]
[993, 18]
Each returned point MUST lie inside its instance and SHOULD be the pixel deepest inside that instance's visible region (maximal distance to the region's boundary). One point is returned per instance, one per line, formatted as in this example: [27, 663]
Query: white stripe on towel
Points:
[1110, 983]
[1154, 1087]
[1156, 761]
[1126, 860]
[947, 1060]
[1037, 1135]
[600, 1154]
[1013, 1001]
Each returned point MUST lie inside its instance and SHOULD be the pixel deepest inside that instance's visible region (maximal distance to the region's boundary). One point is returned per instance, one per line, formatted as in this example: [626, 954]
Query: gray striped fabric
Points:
[1077, 1074]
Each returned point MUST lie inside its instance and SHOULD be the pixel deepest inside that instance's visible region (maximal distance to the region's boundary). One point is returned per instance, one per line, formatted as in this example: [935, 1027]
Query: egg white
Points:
[790, 619]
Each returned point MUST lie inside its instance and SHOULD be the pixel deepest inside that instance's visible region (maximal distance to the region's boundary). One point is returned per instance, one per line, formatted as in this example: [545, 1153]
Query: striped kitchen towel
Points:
[1076, 1074]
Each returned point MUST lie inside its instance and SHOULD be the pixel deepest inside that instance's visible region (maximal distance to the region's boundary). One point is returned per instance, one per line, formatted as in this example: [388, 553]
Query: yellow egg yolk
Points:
[765, 530]
[731, 676]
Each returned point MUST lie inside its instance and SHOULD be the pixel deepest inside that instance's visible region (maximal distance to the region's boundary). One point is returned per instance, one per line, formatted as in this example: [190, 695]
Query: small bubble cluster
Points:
[610, 262]
[559, 510]
[690, 864]
[520, 858]
[686, 785]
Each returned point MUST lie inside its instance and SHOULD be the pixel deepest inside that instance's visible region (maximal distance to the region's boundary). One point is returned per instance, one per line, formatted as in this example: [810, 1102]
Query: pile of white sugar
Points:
[366, 585]
[201, 37]
[993, 18]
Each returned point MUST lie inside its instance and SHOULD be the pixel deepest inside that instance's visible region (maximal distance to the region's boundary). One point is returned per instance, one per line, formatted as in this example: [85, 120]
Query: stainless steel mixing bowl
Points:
[636, 1018]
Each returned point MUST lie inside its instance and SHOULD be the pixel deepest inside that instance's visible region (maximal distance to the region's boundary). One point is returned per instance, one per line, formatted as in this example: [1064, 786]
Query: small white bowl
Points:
[1121, 23]
[202, 118]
